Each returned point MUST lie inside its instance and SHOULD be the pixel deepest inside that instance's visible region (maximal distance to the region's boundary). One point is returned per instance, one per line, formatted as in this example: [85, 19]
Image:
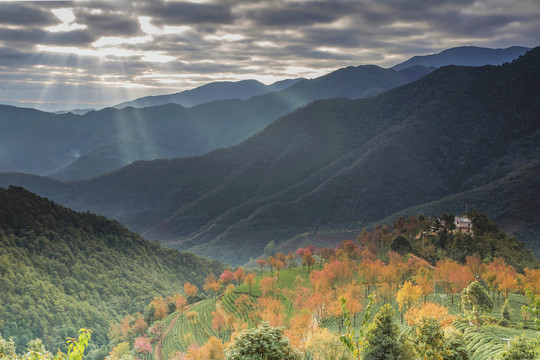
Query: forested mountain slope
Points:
[61, 270]
[330, 164]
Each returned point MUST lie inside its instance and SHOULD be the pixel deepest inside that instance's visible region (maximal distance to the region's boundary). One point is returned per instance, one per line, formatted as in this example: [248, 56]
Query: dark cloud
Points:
[41, 37]
[10, 57]
[234, 39]
[184, 13]
[70, 38]
[109, 24]
[302, 13]
[21, 14]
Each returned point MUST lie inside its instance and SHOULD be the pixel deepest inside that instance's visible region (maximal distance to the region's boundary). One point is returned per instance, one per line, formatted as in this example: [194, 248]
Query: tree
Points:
[215, 349]
[160, 307]
[322, 279]
[180, 302]
[264, 343]
[327, 254]
[261, 263]
[226, 277]
[268, 286]
[456, 346]
[290, 259]
[429, 310]
[475, 299]
[249, 281]
[7, 347]
[239, 275]
[382, 337]
[476, 266]
[428, 340]
[406, 296]
[521, 349]
[454, 276]
[325, 345]
[190, 290]
[36, 350]
[424, 279]
[353, 293]
[271, 310]
[308, 260]
[142, 344]
[531, 280]
[219, 321]
[355, 343]
[277, 263]
[371, 270]
[506, 311]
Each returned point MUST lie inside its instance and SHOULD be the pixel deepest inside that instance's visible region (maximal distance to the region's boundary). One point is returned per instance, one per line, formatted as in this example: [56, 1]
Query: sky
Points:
[91, 54]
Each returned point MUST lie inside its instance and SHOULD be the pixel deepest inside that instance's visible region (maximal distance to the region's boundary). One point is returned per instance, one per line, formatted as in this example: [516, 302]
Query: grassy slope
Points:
[485, 343]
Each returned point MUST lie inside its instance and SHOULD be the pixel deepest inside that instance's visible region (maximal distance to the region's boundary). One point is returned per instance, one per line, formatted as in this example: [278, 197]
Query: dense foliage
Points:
[61, 270]
[447, 310]
[265, 343]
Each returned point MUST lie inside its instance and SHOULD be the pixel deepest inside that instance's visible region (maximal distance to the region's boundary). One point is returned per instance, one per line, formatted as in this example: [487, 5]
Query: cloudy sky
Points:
[91, 54]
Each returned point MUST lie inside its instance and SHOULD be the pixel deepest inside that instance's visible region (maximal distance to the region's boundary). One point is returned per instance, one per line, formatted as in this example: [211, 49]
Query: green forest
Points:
[61, 271]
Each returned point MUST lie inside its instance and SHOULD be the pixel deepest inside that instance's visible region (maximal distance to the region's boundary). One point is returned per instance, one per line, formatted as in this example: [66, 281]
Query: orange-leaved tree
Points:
[407, 295]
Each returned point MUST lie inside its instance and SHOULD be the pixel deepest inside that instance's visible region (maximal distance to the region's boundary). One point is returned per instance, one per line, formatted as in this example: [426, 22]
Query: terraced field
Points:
[485, 343]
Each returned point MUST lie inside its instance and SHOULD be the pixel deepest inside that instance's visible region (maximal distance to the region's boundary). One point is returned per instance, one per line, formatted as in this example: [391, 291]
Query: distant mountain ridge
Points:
[465, 56]
[333, 163]
[70, 147]
[224, 90]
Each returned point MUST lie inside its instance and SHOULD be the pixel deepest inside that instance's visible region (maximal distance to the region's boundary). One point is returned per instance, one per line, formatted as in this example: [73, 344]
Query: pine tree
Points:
[382, 337]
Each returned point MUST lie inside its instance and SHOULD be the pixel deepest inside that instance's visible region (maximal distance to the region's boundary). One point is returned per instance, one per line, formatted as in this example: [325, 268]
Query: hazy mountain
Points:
[330, 164]
[70, 147]
[74, 111]
[223, 90]
[466, 56]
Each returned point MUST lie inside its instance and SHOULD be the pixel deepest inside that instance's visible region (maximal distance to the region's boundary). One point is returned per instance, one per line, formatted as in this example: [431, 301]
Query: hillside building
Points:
[463, 224]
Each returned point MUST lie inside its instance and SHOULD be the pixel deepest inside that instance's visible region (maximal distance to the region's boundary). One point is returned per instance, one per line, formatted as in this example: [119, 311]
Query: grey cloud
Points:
[15, 59]
[109, 24]
[41, 37]
[69, 38]
[302, 13]
[25, 14]
[177, 13]
[10, 57]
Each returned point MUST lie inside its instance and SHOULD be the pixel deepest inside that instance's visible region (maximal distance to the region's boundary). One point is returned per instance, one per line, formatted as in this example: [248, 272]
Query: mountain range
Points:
[221, 90]
[465, 56]
[70, 147]
[458, 133]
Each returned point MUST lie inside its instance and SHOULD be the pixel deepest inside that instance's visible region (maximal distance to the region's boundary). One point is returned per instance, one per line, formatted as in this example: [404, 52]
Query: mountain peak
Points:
[466, 56]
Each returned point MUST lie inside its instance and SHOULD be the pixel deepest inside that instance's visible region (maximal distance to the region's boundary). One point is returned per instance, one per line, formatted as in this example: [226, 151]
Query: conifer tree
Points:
[382, 337]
